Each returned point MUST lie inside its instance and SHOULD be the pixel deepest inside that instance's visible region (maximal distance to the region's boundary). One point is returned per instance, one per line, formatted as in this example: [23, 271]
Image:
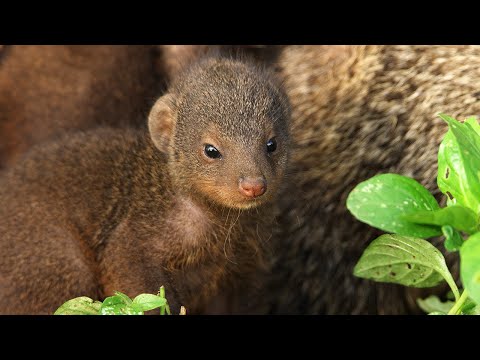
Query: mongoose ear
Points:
[161, 122]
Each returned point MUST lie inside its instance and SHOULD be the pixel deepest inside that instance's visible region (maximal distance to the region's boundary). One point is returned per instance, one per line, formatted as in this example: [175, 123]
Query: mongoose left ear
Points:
[161, 122]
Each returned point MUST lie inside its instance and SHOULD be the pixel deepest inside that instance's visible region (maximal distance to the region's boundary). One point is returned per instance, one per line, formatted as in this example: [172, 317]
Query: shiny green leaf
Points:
[460, 217]
[459, 164]
[453, 239]
[382, 200]
[146, 302]
[124, 297]
[470, 266]
[118, 305]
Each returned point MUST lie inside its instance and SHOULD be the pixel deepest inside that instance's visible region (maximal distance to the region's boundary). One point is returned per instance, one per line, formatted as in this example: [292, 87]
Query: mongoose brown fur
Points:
[171, 59]
[131, 210]
[358, 111]
[46, 91]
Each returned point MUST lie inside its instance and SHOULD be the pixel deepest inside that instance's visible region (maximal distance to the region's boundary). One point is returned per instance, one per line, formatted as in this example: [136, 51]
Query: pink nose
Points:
[252, 187]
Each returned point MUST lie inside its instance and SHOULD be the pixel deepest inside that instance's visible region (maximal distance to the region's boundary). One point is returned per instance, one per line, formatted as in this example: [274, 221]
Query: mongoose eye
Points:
[212, 152]
[271, 145]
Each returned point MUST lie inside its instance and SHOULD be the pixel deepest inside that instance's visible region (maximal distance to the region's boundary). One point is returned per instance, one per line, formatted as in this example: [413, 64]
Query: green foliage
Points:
[459, 164]
[457, 216]
[434, 304]
[382, 200]
[118, 304]
[470, 266]
[146, 302]
[470, 308]
[402, 206]
[453, 238]
[404, 260]
[79, 306]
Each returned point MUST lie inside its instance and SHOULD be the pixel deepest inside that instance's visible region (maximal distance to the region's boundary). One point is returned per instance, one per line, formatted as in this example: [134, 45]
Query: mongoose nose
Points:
[252, 187]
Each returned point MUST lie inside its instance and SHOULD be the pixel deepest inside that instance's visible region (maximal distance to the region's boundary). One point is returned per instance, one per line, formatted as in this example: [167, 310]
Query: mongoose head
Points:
[224, 127]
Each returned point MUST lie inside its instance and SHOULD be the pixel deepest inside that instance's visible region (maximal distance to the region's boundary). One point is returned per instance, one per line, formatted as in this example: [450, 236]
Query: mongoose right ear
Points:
[161, 122]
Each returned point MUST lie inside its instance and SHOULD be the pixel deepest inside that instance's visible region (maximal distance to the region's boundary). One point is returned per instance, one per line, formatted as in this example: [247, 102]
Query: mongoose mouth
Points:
[250, 193]
[246, 202]
[246, 194]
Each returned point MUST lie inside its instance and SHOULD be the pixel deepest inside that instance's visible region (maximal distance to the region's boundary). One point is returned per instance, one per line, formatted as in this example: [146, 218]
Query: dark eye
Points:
[212, 152]
[271, 145]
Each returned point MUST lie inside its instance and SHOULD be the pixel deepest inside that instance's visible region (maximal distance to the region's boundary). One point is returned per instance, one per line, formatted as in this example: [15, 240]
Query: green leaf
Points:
[473, 122]
[79, 306]
[459, 164]
[382, 200]
[470, 266]
[146, 302]
[437, 313]
[453, 239]
[118, 305]
[124, 297]
[470, 308]
[459, 217]
[433, 303]
[475, 310]
[404, 260]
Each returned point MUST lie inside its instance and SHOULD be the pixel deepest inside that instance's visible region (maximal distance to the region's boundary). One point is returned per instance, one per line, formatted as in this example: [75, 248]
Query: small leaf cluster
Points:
[118, 304]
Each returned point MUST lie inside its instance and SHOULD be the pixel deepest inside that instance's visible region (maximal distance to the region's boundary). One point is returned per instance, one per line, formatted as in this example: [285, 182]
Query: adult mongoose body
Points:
[358, 111]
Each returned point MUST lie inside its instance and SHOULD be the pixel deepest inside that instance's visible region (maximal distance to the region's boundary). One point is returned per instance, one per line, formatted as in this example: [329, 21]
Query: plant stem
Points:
[167, 308]
[458, 304]
[452, 285]
[161, 293]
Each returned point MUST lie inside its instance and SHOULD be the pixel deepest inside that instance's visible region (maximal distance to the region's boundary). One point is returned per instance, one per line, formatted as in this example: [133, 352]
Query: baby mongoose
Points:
[186, 205]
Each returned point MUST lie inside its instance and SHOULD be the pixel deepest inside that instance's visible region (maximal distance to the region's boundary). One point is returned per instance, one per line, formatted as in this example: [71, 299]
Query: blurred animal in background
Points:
[46, 91]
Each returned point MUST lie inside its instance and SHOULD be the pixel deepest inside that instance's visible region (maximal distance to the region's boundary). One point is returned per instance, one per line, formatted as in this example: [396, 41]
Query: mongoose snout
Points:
[252, 187]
